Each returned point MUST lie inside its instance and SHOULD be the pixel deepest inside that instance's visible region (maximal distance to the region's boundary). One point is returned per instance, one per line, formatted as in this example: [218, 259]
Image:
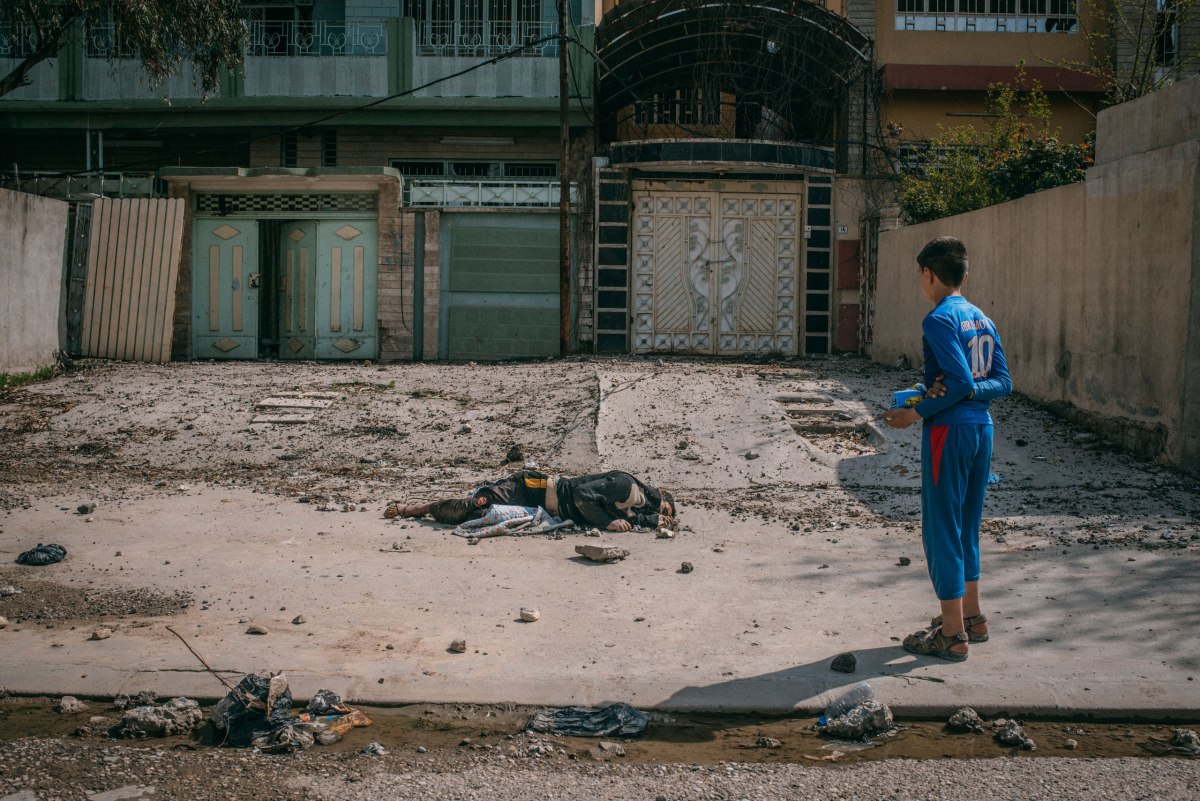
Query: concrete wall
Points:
[33, 230]
[1095, 286]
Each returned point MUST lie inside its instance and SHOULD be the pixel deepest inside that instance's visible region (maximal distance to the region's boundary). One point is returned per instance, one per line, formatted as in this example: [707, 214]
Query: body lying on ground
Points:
[614, 501]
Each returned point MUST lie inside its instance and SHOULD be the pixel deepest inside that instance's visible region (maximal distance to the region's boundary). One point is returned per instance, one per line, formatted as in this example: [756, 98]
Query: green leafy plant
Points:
[1018, 152]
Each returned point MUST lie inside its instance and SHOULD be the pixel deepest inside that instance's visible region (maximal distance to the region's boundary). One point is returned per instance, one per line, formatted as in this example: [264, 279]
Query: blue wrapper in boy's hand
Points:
[908, 397]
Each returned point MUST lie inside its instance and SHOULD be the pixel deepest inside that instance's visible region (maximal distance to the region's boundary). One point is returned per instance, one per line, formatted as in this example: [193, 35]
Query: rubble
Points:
[601, 553]
[862, 721]
[1010, 733]
[458, 646]
[965, 720]
[70, 705]
[530, 615]
[101, 634]
[177, 716]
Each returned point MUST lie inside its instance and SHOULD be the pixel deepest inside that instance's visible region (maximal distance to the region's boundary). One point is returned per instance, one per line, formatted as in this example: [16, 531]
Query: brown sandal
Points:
[971, 623]
[932, 642]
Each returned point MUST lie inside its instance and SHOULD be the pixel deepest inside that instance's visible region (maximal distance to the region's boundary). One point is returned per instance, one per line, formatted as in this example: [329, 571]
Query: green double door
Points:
[320, 278]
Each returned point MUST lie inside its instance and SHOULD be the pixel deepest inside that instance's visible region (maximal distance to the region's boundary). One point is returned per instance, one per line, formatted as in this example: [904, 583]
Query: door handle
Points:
[254, 280]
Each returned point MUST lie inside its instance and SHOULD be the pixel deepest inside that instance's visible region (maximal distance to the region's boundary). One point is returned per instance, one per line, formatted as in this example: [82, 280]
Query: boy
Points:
[965, 370]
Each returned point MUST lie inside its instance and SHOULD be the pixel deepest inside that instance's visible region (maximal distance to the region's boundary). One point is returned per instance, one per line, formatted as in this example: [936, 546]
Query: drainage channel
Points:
[670, 738]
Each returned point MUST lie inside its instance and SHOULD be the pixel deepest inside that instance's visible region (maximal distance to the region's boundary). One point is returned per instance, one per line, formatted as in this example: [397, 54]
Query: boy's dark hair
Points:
[946, 257]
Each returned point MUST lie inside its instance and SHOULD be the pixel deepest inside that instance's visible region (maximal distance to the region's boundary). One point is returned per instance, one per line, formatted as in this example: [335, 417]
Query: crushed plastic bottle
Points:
[854, 696]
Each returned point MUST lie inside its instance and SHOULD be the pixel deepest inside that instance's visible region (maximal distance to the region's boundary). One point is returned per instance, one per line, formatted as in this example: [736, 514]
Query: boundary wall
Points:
[1095, 286]
[33, 232]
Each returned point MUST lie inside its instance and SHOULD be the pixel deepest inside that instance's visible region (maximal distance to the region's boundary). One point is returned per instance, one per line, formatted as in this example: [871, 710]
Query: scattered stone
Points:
[422, 749]
[515, 454]
[601, 553]
[256, 629]
[904, 561]
[299, 620]
[1071, 744]
[3, 622]
[459, 646]
[844, 663]
[751, 455]
[129, 792]
[85, 508]
[530, 615]
[1010, 733]
[466, 428]
[767, 742]
[177, 716]
[7, 590]
[665, 534]
[373, 749]
[70, 705]
[686, 567]
[965, 720]
[464, 742]
[605, 751]
[243, 620]
[101, 634]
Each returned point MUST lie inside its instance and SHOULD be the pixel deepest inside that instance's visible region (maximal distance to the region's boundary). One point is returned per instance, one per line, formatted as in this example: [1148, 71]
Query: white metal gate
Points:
[716, 272]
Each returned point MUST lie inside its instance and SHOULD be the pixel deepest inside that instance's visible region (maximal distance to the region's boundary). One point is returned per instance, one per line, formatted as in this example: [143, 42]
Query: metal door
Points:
[500, 286]
[225, 282]
[346, 284]
[297, 290]
[716, 272]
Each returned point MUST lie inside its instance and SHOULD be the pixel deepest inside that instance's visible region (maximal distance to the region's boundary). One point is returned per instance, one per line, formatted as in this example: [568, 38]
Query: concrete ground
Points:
[797, 508]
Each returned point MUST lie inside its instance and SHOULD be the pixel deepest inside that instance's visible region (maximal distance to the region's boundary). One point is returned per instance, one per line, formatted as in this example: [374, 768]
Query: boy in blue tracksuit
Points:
[965, 370]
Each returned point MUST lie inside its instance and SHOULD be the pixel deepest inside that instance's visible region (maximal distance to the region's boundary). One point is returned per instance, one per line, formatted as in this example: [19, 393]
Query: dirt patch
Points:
[43, 600]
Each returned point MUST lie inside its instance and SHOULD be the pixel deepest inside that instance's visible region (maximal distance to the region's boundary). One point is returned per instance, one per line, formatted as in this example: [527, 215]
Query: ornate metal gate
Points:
[716, 272]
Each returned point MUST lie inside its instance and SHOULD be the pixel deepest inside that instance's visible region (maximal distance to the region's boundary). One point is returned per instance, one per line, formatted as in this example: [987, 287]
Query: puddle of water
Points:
[682, 738]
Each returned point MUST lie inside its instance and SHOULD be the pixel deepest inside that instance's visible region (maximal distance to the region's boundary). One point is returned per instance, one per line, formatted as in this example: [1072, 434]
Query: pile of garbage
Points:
[257, 713]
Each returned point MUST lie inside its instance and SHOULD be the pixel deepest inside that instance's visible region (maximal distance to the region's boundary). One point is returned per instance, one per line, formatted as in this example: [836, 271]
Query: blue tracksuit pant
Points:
[955, 462]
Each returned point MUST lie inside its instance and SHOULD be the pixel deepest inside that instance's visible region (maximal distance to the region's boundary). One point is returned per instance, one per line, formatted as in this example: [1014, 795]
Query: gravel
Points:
[71, 770]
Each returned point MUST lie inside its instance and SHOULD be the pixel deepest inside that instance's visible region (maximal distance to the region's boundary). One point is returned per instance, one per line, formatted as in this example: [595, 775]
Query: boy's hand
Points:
[938, 389]
[620, 525]
[901, 418]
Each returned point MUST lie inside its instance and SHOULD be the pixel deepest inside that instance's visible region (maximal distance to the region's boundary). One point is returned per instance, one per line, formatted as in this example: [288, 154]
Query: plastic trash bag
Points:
[620, 720]
[43, 555]
[253, 709]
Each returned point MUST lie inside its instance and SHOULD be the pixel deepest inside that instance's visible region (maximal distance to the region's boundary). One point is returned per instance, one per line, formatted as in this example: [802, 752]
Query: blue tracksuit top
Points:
[962, 345]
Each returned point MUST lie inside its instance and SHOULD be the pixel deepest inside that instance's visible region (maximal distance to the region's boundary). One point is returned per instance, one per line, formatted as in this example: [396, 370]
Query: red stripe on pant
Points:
[937, 442]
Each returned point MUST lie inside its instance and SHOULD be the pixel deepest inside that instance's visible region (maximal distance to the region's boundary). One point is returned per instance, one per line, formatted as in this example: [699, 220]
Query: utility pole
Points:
[564, 189]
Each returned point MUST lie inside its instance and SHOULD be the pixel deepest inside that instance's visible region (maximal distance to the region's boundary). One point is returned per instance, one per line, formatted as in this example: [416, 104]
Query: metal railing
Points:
[484, 38]
[454, 193]
[18, 41]
[82, 186]
[105, 41]
[322, 38]
[1012, 16]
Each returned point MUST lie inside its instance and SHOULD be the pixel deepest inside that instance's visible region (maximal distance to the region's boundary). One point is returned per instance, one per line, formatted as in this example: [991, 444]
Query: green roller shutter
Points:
[499, 286]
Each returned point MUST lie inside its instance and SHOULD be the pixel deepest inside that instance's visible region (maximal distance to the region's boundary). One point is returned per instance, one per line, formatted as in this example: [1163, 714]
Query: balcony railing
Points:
[322, 38]
[82, 186]
[1004, 16]
[485, 39]
[19, 41]
[453, 193]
